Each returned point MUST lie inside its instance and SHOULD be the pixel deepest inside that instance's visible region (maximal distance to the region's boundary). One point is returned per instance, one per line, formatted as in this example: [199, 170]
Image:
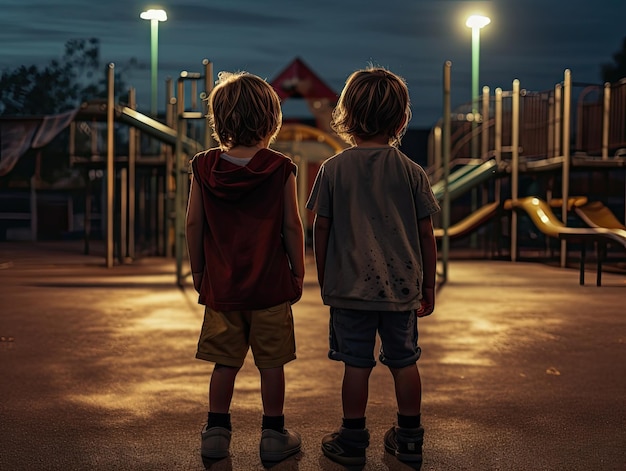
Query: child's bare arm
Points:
[194, 226]
[293, 231]
[429, 259]
[321, 232]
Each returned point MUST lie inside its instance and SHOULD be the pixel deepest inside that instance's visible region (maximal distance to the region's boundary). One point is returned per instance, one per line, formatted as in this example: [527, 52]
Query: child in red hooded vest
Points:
[246, 250]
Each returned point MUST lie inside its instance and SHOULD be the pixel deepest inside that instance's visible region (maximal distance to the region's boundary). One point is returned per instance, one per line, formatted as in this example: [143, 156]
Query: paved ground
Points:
[523, 369]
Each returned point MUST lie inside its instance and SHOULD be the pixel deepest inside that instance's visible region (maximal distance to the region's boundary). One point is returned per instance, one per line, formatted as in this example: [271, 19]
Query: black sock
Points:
[409, 421]
[354, 424]
[274, 422]
[219, 419]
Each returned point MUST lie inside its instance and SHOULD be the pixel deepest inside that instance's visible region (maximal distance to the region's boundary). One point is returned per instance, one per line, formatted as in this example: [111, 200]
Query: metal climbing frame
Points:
[185, 115]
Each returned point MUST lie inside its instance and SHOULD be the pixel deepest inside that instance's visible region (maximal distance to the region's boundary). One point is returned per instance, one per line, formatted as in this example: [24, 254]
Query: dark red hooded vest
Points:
[246, 264]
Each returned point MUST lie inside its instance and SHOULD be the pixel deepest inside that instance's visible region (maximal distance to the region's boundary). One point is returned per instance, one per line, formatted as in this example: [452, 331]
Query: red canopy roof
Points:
[297, 80]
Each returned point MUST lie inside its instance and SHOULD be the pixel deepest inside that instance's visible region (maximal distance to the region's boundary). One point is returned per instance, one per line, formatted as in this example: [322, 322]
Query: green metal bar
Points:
[154, 57]
[475, 86]
[157, 129]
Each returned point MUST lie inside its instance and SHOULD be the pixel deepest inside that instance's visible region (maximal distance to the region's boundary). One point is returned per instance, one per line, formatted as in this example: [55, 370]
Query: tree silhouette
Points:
[614, 72]
[58, 86]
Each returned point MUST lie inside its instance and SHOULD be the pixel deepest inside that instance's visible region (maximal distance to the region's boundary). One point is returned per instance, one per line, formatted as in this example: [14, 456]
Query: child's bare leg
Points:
[347, 446]
[221, 388]
[273, 390]
[405, 441]
[277, 443]
[408, 389]
[354, 391]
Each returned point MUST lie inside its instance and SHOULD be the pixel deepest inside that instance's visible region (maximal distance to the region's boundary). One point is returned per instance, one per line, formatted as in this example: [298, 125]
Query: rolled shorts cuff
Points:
[350, 360]
[402, 363]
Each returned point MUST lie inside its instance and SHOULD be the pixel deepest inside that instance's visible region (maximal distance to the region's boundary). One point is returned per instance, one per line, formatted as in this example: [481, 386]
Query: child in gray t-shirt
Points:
[376, 259]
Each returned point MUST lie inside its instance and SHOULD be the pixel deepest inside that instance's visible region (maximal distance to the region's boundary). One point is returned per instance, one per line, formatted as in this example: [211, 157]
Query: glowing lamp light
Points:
[153, 14]
[477, 21]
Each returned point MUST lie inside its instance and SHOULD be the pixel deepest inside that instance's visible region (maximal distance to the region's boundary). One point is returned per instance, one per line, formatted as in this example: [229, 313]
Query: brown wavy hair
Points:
[373, 102]
[243, 110]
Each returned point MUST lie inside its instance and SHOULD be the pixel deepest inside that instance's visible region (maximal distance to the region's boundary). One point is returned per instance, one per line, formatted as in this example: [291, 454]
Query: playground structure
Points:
[184, 133]
[519, 134]
[141, 209]
[162, 185]
[526, 133]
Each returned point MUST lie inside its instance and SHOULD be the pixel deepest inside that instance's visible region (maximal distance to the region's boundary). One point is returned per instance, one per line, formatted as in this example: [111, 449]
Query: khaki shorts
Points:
[227, 336]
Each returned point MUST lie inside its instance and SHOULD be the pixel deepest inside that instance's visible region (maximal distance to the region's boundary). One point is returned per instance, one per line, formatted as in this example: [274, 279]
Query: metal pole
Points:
[551, 126]
[497, 139]
[110, 188]
[170, 183]
[437, 149]
[123, 215]
[208, 87]
[484, 126]
[154, 57]
[558, 102]
[514, 164]
[474, 127]
[567, 96]
[475, 87]
[132, 160]
[606, 121]
[445, 243]
[179, 229]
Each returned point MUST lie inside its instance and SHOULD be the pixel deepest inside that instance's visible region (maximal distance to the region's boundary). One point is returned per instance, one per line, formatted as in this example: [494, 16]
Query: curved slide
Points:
[545, 220]
[466, 178]
[471, 222]
[542, 216]
[460, 182]
[596, 214]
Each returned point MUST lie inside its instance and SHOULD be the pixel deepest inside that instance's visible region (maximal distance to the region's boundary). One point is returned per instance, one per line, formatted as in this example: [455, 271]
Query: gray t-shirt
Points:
[374, 196]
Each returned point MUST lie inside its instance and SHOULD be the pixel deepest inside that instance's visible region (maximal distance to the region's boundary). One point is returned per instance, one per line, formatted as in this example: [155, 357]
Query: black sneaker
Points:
[347, 446]
[215, 442]
[405, 444]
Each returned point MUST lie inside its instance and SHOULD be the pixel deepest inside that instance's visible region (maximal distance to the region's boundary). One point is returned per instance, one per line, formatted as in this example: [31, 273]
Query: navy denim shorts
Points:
[352, 337]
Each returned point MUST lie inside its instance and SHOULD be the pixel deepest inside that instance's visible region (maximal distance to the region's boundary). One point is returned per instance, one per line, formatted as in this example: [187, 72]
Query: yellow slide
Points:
[542, 216]
[572, 202]
[595, 214]
[471, 222]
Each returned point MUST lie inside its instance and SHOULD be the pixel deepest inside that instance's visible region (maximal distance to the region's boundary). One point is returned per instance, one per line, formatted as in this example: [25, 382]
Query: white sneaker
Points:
[276, 446]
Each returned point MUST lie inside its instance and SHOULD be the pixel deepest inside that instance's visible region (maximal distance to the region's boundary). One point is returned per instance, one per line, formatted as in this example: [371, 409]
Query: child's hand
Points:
[299, 284]
[197, 281]
[427, 304]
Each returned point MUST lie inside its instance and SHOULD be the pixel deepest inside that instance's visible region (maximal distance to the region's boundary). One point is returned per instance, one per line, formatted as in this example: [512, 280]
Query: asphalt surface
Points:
[522, 369]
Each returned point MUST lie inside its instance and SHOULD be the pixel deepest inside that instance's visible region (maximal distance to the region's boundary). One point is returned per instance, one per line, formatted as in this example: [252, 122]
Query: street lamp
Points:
[475, 22]
[154, 16]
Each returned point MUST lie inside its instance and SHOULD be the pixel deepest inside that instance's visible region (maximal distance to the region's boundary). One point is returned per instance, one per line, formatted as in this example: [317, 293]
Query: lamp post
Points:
[475, 22]
[154, 16]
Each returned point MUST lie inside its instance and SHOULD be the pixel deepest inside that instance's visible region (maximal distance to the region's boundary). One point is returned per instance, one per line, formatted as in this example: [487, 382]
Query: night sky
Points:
[530, 40]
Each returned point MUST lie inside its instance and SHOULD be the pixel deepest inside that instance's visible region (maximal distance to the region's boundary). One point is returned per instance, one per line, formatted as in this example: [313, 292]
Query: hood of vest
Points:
[232, 182]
